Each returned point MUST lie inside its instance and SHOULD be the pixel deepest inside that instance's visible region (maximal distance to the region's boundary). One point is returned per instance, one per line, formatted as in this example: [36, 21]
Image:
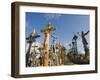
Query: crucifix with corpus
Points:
[46, 32]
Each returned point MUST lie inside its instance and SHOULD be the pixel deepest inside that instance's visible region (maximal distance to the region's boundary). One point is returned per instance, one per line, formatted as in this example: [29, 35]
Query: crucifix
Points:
[46, 32]
[84, 41]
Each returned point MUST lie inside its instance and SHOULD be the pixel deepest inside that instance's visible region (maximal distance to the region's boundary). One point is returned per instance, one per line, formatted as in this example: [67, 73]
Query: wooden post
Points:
[46, 32]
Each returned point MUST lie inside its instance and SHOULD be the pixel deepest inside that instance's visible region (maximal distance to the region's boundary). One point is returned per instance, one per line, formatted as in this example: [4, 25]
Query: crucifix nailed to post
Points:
[46, 32]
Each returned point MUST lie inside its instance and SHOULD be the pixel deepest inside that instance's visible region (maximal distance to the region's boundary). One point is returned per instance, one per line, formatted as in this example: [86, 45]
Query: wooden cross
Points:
[46, 32]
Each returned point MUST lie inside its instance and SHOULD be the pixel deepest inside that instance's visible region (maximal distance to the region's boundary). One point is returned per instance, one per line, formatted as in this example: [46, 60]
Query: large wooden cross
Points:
[46, 32]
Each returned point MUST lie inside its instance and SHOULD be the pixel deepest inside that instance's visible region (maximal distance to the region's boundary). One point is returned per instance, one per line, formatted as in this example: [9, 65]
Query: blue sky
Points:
[66, 26]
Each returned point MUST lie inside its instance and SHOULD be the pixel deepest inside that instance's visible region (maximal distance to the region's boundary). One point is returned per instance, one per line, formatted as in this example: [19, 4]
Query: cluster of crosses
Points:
[32, 38]
[84, 41]
[73, 46]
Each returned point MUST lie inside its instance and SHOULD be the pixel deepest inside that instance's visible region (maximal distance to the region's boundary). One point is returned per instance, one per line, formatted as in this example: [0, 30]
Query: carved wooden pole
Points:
[46, 32]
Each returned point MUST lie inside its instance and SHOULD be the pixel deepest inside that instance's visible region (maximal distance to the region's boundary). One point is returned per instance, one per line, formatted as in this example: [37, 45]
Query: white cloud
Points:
[52, 16]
